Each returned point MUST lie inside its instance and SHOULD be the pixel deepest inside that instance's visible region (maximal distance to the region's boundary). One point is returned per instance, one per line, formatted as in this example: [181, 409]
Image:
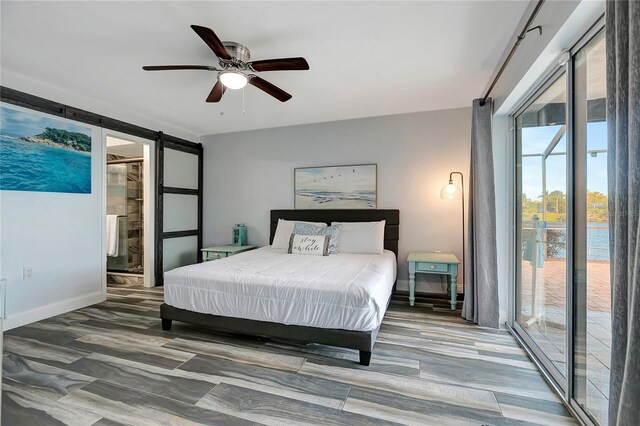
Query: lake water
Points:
[26, 166]
[597, 242]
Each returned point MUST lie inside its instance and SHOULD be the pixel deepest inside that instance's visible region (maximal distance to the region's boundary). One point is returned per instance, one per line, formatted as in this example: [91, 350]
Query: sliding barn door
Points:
[179, 204]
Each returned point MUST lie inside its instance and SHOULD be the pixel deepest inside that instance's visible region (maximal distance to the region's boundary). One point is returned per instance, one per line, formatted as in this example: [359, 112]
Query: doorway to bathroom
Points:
[129, 211]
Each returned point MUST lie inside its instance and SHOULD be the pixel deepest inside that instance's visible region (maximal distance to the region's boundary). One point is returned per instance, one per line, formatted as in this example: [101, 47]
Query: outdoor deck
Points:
[549, 331]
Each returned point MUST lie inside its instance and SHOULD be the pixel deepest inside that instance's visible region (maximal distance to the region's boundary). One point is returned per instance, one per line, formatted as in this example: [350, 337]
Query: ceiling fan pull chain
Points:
[222, 106]
[243, 111]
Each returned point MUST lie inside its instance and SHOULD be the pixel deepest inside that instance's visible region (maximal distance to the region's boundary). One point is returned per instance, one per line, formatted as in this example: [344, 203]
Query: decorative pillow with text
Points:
[316, 245]
[284, 230]
[332, 231]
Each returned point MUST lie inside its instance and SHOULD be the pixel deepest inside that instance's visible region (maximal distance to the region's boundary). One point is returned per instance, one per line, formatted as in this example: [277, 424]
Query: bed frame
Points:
[360, 340]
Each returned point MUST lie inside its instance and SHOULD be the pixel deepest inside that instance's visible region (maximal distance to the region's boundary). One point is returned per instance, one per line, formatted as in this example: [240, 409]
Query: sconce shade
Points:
[451, 191]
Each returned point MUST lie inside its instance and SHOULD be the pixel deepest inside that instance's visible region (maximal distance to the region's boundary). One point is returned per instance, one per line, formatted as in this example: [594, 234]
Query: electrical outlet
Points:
[27, 272]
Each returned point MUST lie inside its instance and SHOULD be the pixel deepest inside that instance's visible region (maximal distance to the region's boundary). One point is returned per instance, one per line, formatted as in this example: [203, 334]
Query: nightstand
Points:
[218, 252]
[433, 263]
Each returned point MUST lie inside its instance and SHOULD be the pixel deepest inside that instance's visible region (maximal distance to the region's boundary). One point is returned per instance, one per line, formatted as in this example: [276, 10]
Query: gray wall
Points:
[246, 174]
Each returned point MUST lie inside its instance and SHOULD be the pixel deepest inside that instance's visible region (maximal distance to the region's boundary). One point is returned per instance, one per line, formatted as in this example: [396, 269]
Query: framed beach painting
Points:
[42, 153]
[336, 187]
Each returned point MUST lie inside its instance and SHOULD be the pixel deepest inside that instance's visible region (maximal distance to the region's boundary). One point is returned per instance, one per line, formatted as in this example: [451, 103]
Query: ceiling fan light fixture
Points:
[236, 70]
[233, 80]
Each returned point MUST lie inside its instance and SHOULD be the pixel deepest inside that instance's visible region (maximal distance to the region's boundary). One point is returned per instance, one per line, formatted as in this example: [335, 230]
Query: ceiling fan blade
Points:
[269, 88]
[284, 64]
[212, 41]
[177, 67]
[217, 92]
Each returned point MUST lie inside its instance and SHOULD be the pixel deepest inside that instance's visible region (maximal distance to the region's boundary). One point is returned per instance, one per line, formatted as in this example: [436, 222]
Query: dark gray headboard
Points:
[391, 229]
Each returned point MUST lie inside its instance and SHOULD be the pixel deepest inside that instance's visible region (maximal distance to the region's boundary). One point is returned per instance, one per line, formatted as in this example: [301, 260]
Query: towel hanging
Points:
[112, 235]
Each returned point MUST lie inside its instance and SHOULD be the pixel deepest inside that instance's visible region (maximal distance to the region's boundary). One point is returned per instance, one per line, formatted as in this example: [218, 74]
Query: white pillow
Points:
[284, 231]
[361, 237]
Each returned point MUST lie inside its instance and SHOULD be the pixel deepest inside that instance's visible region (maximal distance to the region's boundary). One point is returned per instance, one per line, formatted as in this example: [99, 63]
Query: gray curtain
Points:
[481, 271]
[623, 124]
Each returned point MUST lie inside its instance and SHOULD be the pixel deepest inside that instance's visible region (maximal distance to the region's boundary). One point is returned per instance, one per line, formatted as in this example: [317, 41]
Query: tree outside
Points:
[556, 207]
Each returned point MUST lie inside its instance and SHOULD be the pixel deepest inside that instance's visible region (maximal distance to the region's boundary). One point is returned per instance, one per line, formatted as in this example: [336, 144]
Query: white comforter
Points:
[342, 291]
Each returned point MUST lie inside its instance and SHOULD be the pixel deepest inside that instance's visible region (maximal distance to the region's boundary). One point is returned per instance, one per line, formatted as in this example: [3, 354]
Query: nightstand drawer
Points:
[220, 252]
[432, 267]
[210, 255]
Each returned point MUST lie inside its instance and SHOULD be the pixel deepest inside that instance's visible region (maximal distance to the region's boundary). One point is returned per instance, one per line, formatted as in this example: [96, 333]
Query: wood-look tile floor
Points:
[111, 364]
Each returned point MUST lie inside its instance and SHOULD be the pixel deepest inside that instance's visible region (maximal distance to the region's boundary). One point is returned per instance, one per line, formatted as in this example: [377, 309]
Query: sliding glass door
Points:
[542, 225]
[562, 288]
[592, 288]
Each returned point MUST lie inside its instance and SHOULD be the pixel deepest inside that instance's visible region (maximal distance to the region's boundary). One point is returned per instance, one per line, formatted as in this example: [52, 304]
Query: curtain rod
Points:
[521, 37]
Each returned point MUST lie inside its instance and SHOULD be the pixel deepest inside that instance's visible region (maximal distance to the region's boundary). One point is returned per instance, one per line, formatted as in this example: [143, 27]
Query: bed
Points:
[338, 300]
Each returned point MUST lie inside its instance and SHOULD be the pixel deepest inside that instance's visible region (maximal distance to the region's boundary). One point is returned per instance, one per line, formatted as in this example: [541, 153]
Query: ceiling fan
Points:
[236, 70]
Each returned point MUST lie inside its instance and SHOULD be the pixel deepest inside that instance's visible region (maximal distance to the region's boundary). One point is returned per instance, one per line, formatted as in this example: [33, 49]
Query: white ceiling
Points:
[366, 58]
[124, 148]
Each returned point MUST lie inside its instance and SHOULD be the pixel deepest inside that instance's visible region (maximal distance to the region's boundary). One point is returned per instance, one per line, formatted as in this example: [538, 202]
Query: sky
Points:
[23, 123]
[536, 139]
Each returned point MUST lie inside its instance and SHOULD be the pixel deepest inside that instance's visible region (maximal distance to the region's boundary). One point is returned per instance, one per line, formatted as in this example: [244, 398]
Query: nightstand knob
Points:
[433, 266]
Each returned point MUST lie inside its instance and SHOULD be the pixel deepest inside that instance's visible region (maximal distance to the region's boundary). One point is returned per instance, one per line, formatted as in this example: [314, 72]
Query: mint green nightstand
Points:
[218, 252]
[433, 263]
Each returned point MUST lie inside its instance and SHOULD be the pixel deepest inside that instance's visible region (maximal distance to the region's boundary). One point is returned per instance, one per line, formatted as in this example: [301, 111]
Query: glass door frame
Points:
[550, 372]
[542, 359]
[168, 142]
[578, 166]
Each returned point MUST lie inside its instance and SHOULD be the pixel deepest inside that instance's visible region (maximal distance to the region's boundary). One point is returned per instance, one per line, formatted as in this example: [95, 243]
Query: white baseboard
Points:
[53, 309]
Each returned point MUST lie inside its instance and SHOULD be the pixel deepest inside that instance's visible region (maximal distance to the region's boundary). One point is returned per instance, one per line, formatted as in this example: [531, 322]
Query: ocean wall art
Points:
[42, 153]
[336, 187]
